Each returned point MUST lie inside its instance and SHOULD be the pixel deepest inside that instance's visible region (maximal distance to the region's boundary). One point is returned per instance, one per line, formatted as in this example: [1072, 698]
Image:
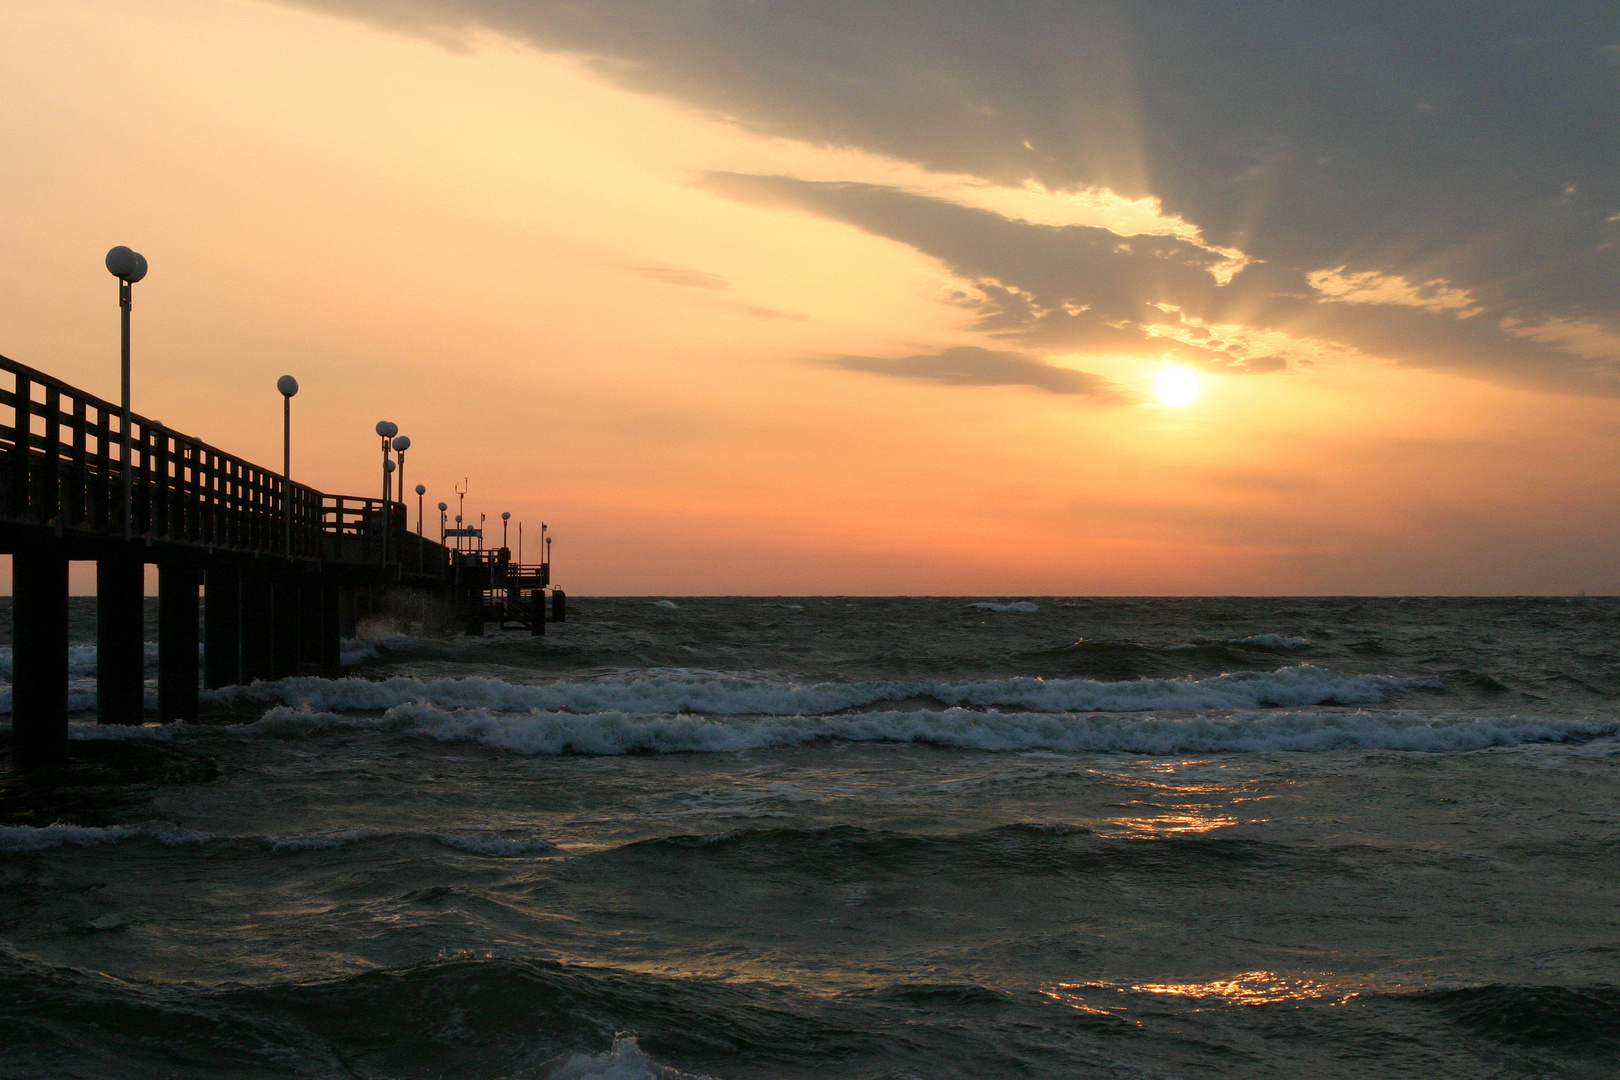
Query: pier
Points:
[262, 575]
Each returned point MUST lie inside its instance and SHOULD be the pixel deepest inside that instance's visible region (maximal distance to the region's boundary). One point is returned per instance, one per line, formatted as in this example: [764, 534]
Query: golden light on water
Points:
[1176, 386]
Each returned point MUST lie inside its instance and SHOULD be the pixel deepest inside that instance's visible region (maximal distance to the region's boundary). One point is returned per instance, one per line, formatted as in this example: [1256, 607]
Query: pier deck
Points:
[285, 571]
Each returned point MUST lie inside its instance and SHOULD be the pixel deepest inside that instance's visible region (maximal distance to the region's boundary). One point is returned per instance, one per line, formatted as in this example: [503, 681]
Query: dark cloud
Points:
[1475, 143]
[1077, 288]
[970, 365]
[672, 276]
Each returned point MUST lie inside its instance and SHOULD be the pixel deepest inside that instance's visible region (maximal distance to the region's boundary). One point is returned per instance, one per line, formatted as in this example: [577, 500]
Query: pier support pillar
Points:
[222, 625]
[537, 613]
[39, 681]
[311, 611]
[559, 606]
[349, 613]
[257, 616]
[284, 629]
[120, 639]
[177, 640]
[330, 653]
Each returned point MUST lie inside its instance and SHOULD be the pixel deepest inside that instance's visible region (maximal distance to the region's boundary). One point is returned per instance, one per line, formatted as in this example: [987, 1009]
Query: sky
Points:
[754, 297]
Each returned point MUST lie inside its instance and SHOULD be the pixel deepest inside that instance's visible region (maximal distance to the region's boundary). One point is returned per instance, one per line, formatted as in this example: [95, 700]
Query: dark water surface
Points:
[753, 838]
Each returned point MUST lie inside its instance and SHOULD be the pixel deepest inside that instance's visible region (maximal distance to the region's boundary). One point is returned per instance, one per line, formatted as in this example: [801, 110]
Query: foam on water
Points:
[966, 729]
[1021, 606]
[625, 1061]
[713, 693]
[1271, 641]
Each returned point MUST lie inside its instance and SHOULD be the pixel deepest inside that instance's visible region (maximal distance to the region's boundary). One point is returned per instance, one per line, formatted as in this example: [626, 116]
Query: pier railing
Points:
[62, 468]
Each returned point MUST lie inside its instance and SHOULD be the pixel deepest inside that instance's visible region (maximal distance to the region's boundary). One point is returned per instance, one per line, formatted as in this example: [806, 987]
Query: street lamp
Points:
[402, 444]
[288, 387]
[506, 516]
[442, 508]
[128, 267]
[420, 491]
[387, 429]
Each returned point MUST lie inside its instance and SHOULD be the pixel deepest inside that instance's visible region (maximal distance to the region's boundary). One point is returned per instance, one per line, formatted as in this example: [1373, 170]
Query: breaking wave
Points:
[719, 694]
[966, 729]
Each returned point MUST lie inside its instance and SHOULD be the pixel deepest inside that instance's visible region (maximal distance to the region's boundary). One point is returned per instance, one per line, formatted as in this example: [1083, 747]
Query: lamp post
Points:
[288, 387]
[387, 429]
[442, 508]
[459, 537]
[506, 516]
[401, 444]
[420, 491]
[128, 267]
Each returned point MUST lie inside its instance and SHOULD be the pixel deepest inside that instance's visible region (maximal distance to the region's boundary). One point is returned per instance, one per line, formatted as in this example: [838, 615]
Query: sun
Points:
[1176, 386]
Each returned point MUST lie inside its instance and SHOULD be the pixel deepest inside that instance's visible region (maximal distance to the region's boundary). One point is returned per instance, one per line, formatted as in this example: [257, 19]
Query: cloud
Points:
[971, 365]
[771, 314]
[1083, 289]
[696, 279]
[1427, 150]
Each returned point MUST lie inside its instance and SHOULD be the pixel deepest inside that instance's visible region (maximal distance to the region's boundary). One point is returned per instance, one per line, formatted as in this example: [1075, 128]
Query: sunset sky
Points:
[772, 297]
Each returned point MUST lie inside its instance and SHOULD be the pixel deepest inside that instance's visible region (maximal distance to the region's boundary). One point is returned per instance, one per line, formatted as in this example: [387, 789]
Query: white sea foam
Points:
[663, 603]
[624, 1061]
[613, 733]
[1272, 641]
[677, 691]
[1022, 605]
[16, 839]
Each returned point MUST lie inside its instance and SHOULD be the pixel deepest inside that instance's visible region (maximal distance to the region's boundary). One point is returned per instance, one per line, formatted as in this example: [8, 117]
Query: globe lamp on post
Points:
[288, 387]
[128, 267]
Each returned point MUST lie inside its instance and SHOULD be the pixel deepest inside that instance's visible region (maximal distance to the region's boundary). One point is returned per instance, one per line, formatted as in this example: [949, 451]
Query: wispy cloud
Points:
[670, 275]
[971, 365]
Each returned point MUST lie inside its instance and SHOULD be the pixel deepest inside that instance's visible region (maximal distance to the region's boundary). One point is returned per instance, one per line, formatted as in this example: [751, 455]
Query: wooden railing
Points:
[62, 466]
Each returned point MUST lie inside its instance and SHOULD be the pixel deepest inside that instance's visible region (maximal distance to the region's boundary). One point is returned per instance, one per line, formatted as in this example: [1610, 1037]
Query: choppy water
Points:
[747, 838]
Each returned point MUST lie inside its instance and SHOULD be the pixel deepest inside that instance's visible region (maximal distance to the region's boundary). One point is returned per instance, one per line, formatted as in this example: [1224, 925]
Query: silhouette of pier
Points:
[266, 575]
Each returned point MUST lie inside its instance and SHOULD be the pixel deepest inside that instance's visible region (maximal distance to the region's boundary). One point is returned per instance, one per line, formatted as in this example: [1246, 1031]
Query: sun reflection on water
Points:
[1244, 988]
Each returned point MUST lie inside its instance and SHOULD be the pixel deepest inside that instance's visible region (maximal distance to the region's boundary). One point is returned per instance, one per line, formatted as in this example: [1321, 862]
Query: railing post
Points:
[51, 497]
[22, 446]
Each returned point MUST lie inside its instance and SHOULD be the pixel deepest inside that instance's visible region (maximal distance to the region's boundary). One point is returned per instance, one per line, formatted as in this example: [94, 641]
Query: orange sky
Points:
[529, 267]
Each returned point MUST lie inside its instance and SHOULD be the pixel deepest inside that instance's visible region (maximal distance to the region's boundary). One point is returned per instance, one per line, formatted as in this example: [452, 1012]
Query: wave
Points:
[1004, 852]
[23, 839]
[1023, 606]
[964, 729]
[1583, 1020]
[1270, 641]
[81, 659]
[623, 1061]
[711, 693]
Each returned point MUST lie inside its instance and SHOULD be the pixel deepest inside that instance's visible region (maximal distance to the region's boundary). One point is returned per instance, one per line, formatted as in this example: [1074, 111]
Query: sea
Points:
[827, 837]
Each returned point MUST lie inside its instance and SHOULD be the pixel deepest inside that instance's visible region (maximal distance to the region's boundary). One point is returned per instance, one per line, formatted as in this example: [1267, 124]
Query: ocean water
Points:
[849, 838]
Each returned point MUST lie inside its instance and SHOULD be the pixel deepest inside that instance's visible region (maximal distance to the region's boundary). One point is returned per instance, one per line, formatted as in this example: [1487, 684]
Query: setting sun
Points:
[1176, 386]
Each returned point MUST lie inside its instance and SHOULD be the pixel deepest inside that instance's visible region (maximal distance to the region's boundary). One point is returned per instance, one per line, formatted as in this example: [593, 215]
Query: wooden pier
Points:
[284, 571]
